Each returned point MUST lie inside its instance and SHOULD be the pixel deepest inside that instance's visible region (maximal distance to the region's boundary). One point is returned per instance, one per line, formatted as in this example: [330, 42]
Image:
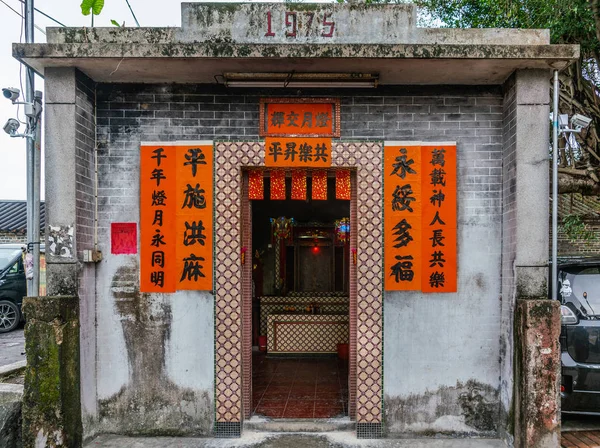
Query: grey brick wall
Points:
[509, 224]
[85, 132]
[159, 113]
[128, 114]
[579, 247]
[9, 237]
[84, 164]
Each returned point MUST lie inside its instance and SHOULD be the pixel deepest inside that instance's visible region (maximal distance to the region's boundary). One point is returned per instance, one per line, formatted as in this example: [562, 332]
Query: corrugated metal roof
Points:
[13, 216]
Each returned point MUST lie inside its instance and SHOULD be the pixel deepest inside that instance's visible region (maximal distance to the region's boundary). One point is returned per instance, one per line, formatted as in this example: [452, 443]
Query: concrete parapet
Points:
[51, 400]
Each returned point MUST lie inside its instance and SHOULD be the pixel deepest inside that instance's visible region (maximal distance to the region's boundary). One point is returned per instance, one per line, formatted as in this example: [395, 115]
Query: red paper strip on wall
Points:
[299, 185]
[402, 217]
[277, 185]
[157, 227]
[256, 185]
[319, 185]
[342, 185]
[123, 238]
[439, 218]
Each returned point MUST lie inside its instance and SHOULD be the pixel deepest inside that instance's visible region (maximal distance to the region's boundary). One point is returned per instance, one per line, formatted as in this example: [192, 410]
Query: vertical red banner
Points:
[402, 216]
[157, 226]
[277, 185]
[439, 222]
[256, 185]
[194, 216]
[342, 185]
[319, 185]
[299, 185]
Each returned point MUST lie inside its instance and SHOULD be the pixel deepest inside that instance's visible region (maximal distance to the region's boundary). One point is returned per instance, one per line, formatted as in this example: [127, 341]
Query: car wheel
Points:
[9, 316]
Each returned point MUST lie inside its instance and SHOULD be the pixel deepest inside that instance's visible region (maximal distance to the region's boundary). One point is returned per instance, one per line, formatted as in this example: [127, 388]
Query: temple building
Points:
[314, 212]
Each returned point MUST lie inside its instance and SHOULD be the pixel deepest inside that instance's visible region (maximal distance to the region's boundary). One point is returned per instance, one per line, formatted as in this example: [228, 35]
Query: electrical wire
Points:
[20, 15]
[20, 65]
[132, 13]
[45, 15]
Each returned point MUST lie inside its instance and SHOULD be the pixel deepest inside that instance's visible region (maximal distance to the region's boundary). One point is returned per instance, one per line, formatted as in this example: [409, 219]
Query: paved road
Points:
[12, 345]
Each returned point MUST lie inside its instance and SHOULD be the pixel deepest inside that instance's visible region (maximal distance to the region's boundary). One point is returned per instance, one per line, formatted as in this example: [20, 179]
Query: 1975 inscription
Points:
[303, 24]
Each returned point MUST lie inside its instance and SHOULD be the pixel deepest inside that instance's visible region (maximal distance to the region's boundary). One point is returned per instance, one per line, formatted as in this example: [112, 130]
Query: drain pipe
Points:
[555, 187]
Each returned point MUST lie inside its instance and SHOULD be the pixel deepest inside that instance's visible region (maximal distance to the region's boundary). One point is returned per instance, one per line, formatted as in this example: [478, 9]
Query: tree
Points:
[569, 22]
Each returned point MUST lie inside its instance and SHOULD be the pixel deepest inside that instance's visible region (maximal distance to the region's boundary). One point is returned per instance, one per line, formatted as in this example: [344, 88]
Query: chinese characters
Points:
[176, 217]
[298, 152]
[194, 217]
[420, 217]
[402, 212]
[439, 218]
[284, 117]
[157, 235]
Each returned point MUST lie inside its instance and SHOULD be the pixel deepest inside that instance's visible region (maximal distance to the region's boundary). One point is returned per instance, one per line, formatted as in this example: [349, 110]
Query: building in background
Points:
[13, 221]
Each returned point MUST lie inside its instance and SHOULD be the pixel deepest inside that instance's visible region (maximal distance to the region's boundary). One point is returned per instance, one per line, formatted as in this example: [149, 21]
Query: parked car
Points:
[13, 286]
[579, 293]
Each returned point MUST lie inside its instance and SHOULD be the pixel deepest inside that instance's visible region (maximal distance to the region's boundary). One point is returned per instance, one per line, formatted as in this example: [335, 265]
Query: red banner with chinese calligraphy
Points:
[157, 226]
[439, 221]
[315, 117]
[402, 216]
[301, 152]
[194, 216]
[319, 185]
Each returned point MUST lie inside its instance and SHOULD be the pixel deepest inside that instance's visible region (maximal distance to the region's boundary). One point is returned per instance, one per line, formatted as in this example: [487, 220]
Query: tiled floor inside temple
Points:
[299, 387]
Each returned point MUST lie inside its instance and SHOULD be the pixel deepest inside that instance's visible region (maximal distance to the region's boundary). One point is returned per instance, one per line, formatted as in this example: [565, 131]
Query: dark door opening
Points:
[300, 305]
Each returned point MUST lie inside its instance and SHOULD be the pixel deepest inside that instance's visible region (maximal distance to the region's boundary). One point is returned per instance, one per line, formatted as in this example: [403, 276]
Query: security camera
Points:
[11, 93]
[11, 127]
[580, 121]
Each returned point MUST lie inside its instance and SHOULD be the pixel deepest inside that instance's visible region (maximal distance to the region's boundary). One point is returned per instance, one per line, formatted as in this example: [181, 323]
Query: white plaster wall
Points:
[434, 340]
[189, 354]
[112, 366]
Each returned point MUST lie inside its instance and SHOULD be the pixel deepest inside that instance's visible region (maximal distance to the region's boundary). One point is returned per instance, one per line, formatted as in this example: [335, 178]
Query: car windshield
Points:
[575, 281]
[7, 255]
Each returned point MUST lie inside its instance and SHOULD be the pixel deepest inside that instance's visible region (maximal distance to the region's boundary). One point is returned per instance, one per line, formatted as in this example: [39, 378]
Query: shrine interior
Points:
[301, 255]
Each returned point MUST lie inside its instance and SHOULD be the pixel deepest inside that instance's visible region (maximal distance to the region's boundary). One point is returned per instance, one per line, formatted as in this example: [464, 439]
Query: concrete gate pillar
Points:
[52, 411]
[536, 354]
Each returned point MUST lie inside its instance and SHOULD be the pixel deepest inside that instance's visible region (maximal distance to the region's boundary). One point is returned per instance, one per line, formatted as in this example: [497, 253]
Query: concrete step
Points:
[310, 425]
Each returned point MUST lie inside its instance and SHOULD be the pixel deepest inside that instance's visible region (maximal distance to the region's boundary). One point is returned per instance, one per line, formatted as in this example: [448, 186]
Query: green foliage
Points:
[569, 21]
[115, 23]
[92, 7]
[575, 229]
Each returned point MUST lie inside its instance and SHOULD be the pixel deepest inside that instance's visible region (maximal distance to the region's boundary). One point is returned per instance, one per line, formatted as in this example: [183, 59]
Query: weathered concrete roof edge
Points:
[236, 50]
[217, 38]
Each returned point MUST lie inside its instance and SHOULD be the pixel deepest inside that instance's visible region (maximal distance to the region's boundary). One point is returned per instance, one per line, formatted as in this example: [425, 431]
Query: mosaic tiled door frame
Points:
[232, 280]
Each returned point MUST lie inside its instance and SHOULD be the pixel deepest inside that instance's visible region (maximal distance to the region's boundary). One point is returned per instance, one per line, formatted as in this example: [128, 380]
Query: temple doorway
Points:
[300, 301]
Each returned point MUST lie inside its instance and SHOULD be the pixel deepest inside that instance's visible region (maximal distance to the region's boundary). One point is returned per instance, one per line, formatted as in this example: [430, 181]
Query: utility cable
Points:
[46, 15]
[132, 13]
[19, 14]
